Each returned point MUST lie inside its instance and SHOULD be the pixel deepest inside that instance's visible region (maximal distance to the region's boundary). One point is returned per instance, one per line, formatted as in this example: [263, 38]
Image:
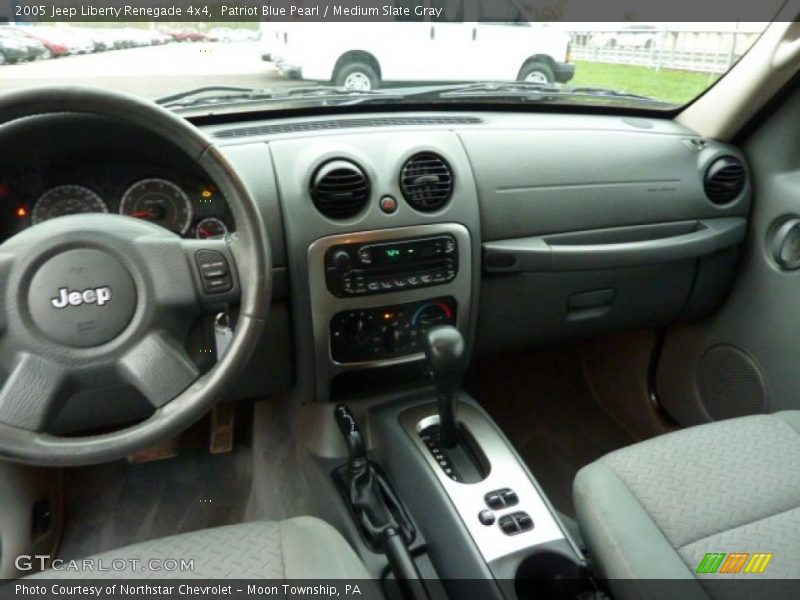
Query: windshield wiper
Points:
[213, 94]
[228, 95]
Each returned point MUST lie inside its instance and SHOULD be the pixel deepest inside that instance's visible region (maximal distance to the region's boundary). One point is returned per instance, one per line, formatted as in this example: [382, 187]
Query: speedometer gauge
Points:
[159, 201]
[66, 200]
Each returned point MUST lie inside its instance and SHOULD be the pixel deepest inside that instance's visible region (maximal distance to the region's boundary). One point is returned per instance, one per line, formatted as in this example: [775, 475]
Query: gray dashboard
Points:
[557, 226]
[575, 224]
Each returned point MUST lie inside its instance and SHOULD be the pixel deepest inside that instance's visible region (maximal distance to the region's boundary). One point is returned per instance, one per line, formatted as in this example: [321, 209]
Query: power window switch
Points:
[524, 521]
[494, 501]
[509, 525]
[509, 497]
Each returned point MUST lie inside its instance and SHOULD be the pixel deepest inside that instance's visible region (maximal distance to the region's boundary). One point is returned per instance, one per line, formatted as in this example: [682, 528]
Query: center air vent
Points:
[724, 180]
[426, 181]
[339, 189]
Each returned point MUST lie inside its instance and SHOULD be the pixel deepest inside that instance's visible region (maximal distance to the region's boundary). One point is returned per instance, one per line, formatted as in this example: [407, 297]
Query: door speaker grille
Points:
[730, 383]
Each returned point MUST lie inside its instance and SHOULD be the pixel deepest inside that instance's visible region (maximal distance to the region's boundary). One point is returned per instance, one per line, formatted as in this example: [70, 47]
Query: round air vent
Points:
[724, 180]
[426, 181]
[339, 189]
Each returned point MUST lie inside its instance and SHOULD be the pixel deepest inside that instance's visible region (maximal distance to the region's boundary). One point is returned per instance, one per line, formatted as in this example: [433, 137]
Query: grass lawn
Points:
[667, 84]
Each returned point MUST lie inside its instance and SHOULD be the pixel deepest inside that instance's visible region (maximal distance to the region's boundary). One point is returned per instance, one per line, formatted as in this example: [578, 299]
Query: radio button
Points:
[365, 256]
[373, 286]
[413, 280]
[386, 285]
[400, 283]
[340, 259]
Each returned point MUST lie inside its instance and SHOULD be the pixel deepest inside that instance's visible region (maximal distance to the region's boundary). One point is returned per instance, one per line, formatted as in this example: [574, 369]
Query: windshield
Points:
[438, 56]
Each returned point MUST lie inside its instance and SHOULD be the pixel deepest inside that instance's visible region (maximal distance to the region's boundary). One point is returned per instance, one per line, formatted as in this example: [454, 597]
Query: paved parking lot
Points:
[153, 71]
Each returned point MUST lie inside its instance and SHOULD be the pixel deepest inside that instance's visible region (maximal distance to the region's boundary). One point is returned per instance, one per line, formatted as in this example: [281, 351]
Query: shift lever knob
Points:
[444, 349]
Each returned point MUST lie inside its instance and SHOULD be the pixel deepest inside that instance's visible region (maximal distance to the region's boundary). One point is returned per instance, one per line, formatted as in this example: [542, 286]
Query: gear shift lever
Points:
[444, 349]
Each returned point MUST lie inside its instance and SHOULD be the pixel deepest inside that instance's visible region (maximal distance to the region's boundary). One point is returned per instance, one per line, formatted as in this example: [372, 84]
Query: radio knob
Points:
[340, 259]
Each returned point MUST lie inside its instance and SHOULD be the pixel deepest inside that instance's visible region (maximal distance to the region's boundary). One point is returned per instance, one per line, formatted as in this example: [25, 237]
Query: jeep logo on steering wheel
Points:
[100, 296]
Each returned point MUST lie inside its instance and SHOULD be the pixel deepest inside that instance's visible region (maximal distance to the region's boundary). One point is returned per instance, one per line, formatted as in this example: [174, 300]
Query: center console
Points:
[391, 297]
[384, 301]
[374, 293]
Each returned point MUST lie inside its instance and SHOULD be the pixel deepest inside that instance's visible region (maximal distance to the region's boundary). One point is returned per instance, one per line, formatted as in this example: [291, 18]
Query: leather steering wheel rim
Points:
[252, 262]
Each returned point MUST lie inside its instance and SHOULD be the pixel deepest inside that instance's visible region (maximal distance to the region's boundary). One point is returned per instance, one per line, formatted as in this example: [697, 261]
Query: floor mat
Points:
[541, 401]
[116, 504]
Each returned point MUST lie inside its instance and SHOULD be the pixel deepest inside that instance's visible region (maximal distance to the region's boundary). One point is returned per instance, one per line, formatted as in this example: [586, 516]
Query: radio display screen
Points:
[407, 252]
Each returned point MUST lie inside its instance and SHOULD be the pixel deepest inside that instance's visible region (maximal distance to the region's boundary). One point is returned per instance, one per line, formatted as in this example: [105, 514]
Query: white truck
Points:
[456, 46]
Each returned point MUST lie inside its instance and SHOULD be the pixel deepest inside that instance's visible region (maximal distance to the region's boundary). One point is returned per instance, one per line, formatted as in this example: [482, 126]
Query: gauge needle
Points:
[206, 232]
[143, 214]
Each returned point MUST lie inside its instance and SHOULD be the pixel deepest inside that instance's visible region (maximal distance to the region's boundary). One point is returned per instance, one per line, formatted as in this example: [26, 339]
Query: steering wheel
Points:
[96, 300]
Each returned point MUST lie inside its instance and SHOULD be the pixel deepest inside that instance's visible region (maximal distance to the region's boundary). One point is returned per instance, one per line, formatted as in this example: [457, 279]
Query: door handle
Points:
[474, 33]
[786, 245]
[433, 33]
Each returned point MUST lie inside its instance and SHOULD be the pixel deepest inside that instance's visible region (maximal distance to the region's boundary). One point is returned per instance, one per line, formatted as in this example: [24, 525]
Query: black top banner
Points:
[514, 11]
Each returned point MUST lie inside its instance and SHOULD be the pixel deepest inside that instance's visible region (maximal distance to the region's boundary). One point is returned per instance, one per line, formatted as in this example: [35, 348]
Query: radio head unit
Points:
[380, 267]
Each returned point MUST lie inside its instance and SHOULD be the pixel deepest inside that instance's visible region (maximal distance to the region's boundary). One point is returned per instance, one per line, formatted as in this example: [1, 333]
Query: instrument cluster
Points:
[184, 203]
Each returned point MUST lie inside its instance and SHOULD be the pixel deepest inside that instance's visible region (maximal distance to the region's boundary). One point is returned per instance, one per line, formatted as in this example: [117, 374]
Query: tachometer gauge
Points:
[66, 200]
[210, 227]
[159, 201]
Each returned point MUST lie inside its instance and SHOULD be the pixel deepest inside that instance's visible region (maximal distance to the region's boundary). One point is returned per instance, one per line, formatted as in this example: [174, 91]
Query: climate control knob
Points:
[391, 338]
[357, 330]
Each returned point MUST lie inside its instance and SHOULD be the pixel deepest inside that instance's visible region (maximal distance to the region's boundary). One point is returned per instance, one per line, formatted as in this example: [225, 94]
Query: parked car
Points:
[189, 35]
[346, 55]
[35, 49]
[67, 38]
[54, 46]
[12, 50]
[227, 35]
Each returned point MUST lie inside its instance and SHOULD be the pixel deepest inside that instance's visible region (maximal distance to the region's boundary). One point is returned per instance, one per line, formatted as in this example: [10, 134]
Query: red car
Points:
[54, 47]
[189, 35]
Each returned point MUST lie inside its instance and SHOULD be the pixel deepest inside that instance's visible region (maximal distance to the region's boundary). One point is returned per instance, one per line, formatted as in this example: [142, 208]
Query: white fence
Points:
[704, 51]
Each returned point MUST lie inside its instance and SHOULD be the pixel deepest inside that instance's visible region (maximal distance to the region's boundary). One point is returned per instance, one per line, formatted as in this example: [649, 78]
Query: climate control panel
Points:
[384, 332]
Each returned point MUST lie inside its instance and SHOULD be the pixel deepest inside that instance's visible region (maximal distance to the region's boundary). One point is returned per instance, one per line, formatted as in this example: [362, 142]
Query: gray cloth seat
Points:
[298, 548]
[653, 510]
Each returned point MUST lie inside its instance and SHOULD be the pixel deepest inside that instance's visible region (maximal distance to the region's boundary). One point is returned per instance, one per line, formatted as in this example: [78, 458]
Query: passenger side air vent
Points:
[426, 181]
[725, 179]
[339, 189]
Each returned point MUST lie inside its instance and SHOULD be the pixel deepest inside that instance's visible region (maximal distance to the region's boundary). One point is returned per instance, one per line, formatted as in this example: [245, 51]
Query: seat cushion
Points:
[299, 548]
[653, 510]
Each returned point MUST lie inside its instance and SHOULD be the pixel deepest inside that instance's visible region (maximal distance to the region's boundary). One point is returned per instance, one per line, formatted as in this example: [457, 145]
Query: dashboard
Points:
[519, 229]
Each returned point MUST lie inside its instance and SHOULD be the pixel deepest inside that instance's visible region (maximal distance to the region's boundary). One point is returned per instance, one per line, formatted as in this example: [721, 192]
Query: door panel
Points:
[743, 359]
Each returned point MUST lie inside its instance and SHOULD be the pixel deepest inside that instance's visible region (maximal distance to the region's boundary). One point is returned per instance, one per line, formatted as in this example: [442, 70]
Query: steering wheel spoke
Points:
[31, 391]
[159, 368]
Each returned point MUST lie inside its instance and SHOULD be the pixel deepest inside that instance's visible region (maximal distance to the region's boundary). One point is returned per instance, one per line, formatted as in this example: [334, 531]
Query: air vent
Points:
[339, 189]
[724, 180]
[301, 126]
[426, 181]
